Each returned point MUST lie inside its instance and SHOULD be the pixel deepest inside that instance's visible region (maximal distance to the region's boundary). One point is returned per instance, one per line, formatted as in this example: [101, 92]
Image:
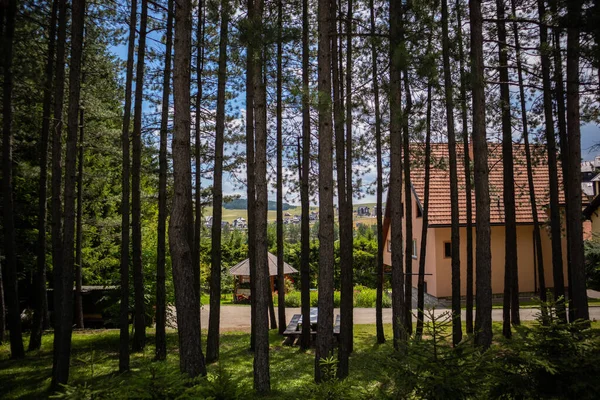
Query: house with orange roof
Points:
[438, 256]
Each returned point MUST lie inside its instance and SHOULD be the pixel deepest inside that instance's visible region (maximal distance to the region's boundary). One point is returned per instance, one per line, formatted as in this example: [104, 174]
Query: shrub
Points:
[430, 368]
[551, 359]
[332, 388]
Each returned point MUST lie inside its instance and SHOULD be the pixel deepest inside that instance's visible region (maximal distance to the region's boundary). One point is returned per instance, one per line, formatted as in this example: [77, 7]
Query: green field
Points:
[230, 215]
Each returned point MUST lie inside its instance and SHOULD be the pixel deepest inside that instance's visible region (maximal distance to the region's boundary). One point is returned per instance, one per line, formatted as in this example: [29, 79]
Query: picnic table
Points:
[294, 328]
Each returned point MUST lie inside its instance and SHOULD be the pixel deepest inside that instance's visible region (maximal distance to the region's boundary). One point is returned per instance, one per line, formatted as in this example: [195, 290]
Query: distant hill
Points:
[242, 204]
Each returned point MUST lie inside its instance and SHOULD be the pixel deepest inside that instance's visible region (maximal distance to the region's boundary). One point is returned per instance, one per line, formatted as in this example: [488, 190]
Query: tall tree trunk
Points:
[423, 253]
[139, 319]
[378, 151]
[324, 345]
[250, 177]
[467, 170]
[555, 223]
[510, 224]
[340, 159]
[40, 296]
[455, 228]
[124, 269]
[212, 348]
[483, 256]
[56, 211]
[10, 266]
[191, 359]
[347, 295]
[532, 197]
[79, 223]
[262, 380]
[559, 280]
[65, 318]
[197, 145]
[408, 249]
[395, 189]
[2, 303]
[304, 184]
[161, 295]
[280, 275]
[578, 305]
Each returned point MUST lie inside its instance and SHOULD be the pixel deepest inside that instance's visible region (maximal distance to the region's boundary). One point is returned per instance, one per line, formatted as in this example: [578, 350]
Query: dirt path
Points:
[235, 318]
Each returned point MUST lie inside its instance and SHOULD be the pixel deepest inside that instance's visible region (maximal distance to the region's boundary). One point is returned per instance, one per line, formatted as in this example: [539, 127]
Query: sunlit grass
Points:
[95, 361]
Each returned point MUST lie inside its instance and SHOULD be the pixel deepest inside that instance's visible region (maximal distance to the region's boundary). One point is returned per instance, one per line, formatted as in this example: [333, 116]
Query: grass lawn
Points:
[291, 369]
[94, 361]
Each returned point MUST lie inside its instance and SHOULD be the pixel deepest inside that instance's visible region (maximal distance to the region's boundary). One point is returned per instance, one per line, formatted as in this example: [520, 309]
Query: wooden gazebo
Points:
[241, 273]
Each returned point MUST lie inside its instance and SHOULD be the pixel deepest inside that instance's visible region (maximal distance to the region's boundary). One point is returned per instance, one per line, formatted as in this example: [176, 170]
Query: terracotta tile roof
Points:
[439, 205]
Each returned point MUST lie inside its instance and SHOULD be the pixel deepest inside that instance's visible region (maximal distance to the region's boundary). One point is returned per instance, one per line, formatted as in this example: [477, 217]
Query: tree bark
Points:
[555, 223]
[56, 184]
[161, 306]
[408, 217]
[455, 228]
[510, 224]
[2, 303]
[532, 196]
[212, 348]
[251, 189]
[304, 184]
[280, 275]
[423, 253]
[10, 279]
[124, 269]
[559, 280]
[395, 189]
[578, 305]
[65, 318]
[191, 359]
[197, 145]
[324, 345]
[40, 293]
[262, 380]
[483, 256]
[347, 295]
[340, 160]
[139, 319]
[378, 151]
[467, 170]
[79, 223]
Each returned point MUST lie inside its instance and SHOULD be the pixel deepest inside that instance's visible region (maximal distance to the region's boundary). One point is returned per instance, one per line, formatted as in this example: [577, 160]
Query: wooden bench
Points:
[291, 331]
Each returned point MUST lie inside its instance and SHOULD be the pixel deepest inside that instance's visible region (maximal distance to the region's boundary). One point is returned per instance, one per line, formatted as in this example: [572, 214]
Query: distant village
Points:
[241, 223]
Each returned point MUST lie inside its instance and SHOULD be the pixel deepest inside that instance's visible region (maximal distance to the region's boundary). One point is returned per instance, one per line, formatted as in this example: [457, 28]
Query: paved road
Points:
[235, 318]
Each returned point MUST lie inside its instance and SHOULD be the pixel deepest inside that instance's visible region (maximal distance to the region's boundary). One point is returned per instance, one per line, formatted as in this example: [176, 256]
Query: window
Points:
[447, 250]
[414, 249]
[389, 247]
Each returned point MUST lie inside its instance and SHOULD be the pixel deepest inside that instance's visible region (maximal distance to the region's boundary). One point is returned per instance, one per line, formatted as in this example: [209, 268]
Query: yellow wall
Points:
[439, 283]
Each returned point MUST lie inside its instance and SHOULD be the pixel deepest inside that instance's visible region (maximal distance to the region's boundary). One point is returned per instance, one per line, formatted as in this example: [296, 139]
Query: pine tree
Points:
[161, 311]
[191, 359]
[40, 296]
[139, 318]
[124, 269]
[10, 279]
[212, 349]
[64, 318]
[324, 345]
[483, 316]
